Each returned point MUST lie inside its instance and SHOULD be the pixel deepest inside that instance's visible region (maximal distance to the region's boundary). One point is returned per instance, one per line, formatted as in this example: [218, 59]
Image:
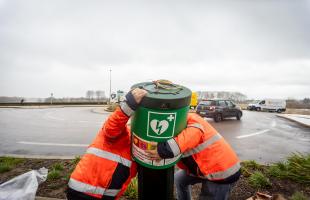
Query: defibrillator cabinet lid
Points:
[163, 94]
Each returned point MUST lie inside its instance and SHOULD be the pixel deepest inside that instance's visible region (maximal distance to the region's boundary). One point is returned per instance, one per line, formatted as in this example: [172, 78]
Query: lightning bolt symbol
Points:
[159, 127]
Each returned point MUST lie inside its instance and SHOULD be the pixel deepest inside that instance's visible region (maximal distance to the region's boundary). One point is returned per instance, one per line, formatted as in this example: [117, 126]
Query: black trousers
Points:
[75, 195]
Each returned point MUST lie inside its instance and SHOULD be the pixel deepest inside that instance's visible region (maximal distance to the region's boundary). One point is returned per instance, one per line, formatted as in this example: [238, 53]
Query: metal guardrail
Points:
[54, 103]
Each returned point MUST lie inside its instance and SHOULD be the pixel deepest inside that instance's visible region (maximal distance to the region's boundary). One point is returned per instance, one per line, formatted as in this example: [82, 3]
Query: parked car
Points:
[218, 109]
[277, 105]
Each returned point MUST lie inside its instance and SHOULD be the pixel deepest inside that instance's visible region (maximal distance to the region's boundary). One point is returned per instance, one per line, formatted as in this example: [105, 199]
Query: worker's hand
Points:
[138, 94]
[153, 153]
[134, 97]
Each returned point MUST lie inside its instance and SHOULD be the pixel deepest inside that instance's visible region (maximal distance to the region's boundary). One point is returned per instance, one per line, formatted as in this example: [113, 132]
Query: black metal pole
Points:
[155, 183]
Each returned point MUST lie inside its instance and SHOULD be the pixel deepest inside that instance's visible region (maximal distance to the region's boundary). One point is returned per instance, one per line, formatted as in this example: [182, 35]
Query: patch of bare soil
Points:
[50, 188]
[243, 190]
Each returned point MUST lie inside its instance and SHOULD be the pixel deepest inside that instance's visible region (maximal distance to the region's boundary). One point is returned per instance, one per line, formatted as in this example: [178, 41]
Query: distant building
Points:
[235, 96]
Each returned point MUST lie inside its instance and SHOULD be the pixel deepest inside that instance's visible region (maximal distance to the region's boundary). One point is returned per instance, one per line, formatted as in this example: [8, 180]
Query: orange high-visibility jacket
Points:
[205, 152]
[107, 168]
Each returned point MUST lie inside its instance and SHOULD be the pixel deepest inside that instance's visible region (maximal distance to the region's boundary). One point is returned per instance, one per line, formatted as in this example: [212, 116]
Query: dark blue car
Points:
[218, 109]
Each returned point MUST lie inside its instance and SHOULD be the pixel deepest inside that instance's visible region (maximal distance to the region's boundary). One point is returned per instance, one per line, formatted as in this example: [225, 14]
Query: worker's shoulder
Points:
[194, 118]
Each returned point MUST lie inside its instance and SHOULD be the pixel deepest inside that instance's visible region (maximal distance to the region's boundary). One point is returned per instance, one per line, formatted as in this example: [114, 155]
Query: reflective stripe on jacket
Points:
[107, 168]
[214, 158]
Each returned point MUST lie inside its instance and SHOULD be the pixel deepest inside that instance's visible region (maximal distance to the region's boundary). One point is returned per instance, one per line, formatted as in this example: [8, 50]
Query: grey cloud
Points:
[141, 40]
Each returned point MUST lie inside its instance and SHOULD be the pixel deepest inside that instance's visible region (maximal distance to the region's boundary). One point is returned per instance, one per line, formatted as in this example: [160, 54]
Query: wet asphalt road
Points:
[67, 131]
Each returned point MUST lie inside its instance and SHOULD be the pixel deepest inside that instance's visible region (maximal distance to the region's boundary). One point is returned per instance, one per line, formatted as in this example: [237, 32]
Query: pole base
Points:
[155, 184]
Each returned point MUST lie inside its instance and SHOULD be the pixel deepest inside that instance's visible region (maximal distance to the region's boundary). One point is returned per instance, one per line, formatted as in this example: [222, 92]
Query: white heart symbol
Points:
[159, 126]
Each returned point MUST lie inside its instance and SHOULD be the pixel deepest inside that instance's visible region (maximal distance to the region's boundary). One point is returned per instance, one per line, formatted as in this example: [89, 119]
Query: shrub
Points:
[278, 170]
[298, 196]
[8, 163]
[53, 174]
[252, 164]
[4, 167]
[112, 107]
[58, 166]
[132, 189]
[67, 177]
[296, 168]
[76, 160]
[258, 180]
[245, 172]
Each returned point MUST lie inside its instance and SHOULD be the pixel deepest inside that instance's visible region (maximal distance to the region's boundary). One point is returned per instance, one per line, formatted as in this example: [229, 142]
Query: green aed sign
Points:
[161, 125]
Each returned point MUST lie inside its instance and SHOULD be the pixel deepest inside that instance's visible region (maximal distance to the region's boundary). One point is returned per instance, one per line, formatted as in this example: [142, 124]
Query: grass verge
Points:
[8, 163]
[273, 179]
[296, 168]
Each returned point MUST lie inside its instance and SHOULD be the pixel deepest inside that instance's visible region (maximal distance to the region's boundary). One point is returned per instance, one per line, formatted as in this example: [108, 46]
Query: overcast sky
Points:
[259, 47]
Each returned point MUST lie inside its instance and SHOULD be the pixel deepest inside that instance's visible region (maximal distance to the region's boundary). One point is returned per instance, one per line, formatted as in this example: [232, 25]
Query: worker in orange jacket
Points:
[106, 169]
[206, 158]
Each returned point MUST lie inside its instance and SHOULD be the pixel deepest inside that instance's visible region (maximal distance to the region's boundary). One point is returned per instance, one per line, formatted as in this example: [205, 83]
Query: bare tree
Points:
[306, 100]
[90, 94]
[100, 94]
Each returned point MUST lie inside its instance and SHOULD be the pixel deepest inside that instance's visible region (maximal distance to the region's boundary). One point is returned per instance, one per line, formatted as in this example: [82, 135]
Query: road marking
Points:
[52, 144]
[274, 123]
[49, 116]
[252, 134]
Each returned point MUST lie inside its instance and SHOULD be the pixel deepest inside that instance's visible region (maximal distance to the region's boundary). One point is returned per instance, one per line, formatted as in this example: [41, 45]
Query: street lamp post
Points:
[51, 98]
[110, 85]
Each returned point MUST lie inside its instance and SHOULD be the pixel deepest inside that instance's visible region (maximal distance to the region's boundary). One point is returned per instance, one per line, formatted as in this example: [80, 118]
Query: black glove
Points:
[164, 150]
[131, 102]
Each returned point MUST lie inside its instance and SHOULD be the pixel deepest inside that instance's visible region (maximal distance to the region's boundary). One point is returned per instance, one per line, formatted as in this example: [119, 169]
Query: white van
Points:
[278, 105]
